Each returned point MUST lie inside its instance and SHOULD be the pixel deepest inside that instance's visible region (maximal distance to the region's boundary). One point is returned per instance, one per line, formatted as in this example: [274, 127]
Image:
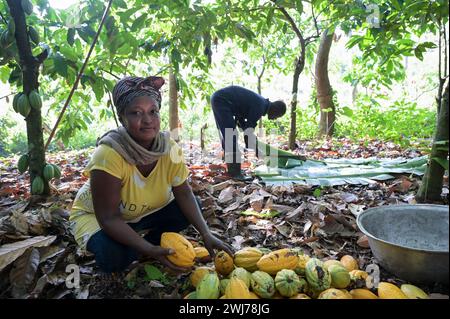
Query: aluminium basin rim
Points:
[367, 233]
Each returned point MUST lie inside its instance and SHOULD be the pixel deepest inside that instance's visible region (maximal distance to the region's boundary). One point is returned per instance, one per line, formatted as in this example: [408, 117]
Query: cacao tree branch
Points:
[75, 85]
[3, 18]
[110, 73]
[5, 96]
[42, 56]
[291, 22]
[317, 35]
[112, 108]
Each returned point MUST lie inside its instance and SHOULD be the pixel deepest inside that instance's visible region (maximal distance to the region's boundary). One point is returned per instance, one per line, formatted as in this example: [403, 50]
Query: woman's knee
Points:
[110, 255]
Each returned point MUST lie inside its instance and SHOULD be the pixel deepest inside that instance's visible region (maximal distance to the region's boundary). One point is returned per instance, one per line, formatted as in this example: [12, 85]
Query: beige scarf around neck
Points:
[132, 152]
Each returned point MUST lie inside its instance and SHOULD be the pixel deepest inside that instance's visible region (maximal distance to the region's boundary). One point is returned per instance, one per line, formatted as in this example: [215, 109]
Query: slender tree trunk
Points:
[324, 90]
[30, 72]
[355, 93]
[260, 122]
[173, 106]
[431, 188]
[299, 66]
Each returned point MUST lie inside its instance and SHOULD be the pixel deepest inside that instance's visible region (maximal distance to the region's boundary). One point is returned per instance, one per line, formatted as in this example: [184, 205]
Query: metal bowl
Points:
[410, 241]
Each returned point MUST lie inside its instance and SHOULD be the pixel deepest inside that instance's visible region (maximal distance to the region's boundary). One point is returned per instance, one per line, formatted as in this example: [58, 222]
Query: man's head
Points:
[276, 109]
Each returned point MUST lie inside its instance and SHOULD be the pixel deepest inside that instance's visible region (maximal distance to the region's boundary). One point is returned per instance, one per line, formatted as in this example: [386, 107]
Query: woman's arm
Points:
[105, 190]
[186, 200]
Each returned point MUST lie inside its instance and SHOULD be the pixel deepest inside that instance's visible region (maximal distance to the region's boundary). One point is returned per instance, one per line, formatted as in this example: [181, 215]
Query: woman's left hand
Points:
[212, 242]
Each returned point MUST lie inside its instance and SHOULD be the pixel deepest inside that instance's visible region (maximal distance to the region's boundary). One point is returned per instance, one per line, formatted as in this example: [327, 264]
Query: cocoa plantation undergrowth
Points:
[319, 222]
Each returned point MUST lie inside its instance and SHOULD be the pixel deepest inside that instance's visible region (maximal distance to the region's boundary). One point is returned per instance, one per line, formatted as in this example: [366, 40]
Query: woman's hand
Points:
[212, 242]
[160, 254]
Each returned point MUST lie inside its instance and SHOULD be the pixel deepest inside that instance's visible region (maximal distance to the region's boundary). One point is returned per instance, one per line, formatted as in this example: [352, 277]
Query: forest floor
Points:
[320, 221]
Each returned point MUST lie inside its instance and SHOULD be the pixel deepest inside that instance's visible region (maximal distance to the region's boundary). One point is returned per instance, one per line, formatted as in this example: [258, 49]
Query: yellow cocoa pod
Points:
[362, 294]
[413, 292]
[237, 289]
[387, 290]
[253, 295]
[247, 258]
[300, 296]
[349, 262]
[198, 274]
[223, 263]
[184, 253]
[277, 260]
[202, 254]
[358, 275]
[333, 293]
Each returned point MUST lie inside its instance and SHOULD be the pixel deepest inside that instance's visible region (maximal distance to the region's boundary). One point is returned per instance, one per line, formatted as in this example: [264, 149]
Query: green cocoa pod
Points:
[27, 6]
[37, 187]
[5, 39]
[48, 172]
[15, 104]
[22, 164]
[56, 171]
[317, 275]
[208, 287]
[71, 36]
[35, 100]
[34, 35]
[23, 105]
[11, 27]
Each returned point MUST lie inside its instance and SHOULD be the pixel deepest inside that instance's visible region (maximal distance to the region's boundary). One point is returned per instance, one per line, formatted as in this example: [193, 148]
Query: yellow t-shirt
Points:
[140, 196]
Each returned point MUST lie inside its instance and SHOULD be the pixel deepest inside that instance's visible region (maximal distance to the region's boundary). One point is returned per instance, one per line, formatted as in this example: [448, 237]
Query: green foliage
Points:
[403, 122]
[153, 273]
[12, 141]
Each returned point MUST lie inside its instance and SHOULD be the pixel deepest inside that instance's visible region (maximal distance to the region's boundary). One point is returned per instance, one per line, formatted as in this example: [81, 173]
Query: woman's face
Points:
[142, 121]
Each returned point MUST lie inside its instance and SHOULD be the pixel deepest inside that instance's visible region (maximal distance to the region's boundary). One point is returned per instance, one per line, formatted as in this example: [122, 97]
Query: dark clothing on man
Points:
[237, 106]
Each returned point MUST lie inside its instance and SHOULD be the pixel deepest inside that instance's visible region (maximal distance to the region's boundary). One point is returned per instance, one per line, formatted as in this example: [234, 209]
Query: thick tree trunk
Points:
[324, 90]
[30, 70]
[173, 107]
[431, 188]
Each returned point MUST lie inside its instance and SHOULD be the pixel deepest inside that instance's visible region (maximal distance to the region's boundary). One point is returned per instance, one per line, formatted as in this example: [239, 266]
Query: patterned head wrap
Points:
[131, 87]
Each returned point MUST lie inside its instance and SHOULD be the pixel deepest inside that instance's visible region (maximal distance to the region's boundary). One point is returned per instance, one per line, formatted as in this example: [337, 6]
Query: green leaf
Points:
[60, 65]
[69, 53]
[97, 87]
[139, 22]
[153, 273]
[265, 213]
[418, 53]
[354, 40]
[299, 6]
[317, 192]
[270, 16]
[347, 111]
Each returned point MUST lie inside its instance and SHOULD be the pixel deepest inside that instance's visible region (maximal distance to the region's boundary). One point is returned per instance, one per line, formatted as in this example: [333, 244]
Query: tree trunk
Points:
[431, 188]
[324, 90]
[299, 65]
[173, 107]
[30, 70]
[355, 93]
[260, 122]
